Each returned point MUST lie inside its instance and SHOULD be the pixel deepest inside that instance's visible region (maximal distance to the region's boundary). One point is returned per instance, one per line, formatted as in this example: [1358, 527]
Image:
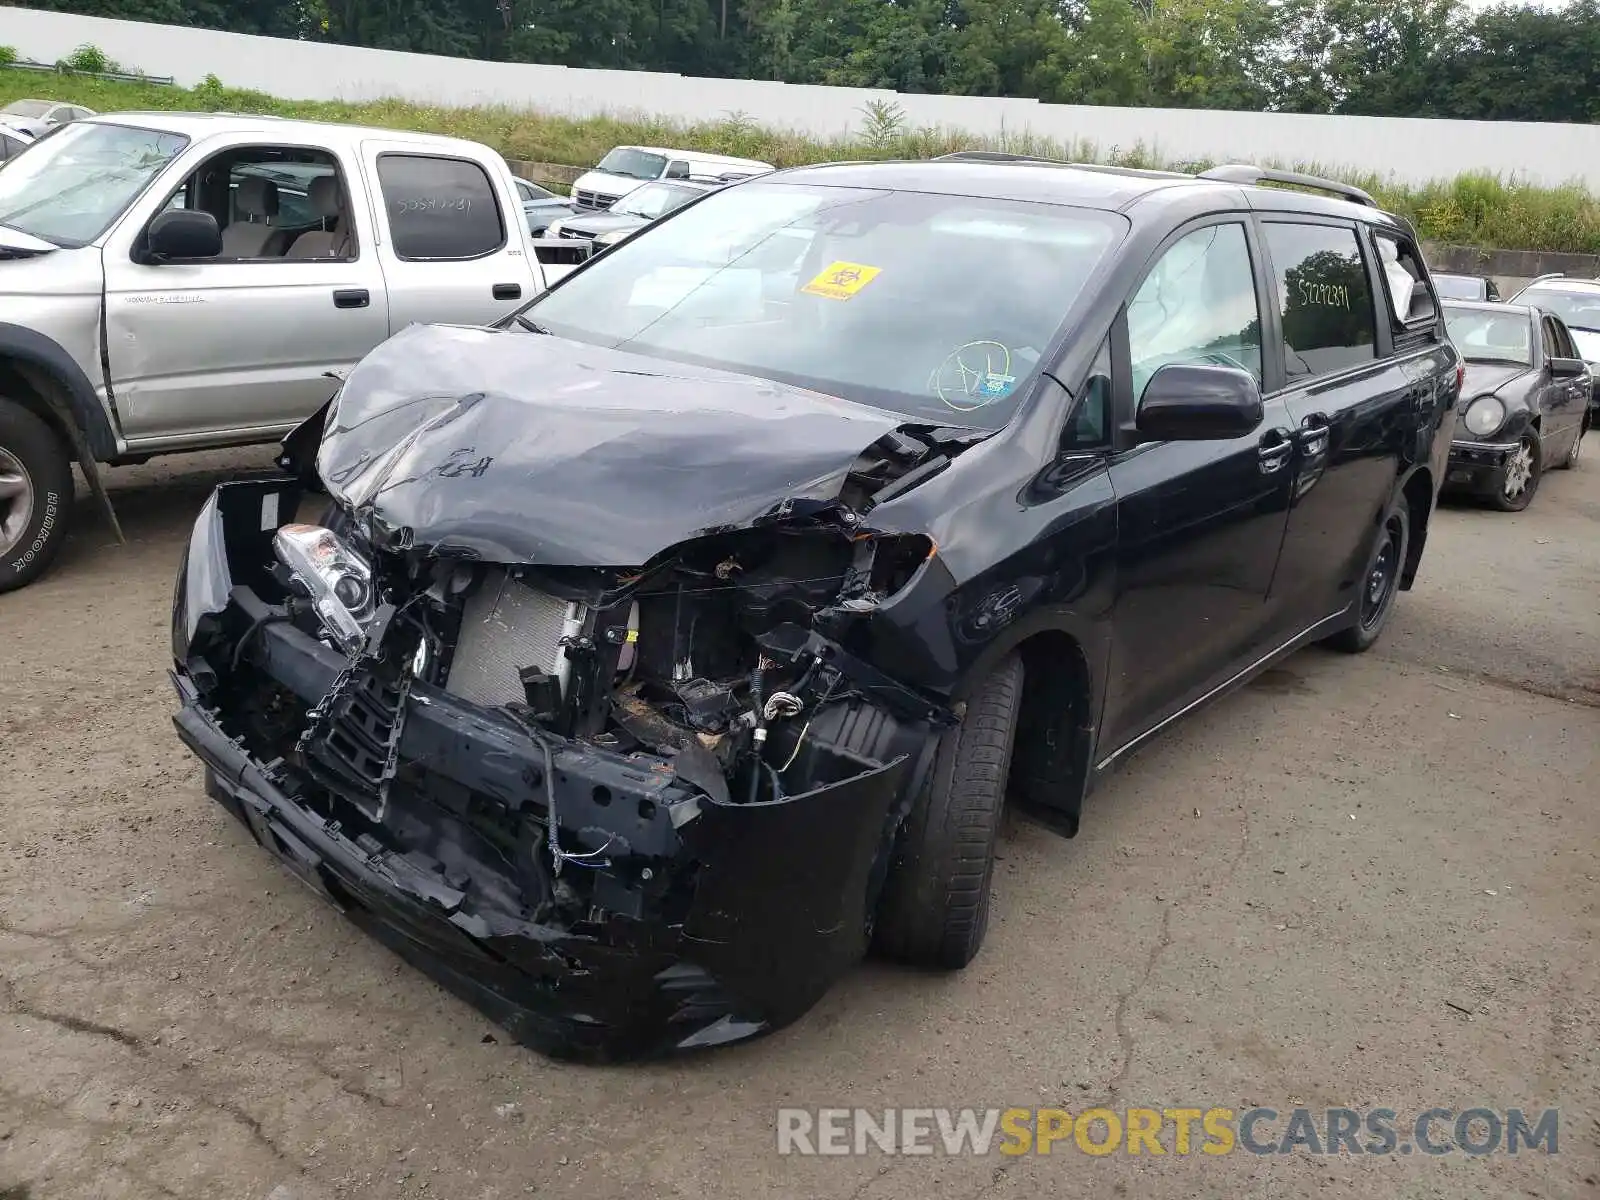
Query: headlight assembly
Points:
[1484, 415]
[338, 580]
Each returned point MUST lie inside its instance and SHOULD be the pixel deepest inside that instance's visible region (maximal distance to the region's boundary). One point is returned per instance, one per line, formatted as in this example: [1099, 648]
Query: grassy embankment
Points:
[1475, 210]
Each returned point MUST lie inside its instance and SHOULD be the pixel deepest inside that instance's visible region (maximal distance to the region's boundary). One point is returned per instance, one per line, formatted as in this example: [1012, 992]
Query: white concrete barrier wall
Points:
[1411, 150]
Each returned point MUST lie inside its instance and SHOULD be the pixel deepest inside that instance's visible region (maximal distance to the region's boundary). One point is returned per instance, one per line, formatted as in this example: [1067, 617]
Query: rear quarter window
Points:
[440, 208]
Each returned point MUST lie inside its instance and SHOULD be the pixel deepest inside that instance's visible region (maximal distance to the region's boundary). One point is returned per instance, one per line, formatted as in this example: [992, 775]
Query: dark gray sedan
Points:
[1523, 403]
[633, 212]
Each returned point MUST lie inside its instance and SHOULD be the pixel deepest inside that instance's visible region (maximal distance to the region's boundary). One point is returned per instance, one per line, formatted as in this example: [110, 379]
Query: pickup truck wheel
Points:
[935, 906]
[35, 496]
[1380, 584]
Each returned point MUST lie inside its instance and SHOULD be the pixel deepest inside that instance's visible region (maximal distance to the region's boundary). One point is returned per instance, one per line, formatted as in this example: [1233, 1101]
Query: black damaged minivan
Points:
[661, 649]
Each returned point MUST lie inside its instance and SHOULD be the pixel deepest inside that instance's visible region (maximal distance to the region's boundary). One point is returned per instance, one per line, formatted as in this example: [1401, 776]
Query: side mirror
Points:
[1186, 402]
[184, 233]
[1567, 368]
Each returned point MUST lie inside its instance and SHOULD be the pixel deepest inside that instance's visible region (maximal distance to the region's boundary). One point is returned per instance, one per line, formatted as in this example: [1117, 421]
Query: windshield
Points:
[936, 307]
[70, 187]
[28, 108]
[1483, 335]
[635, 164]
[654, 200]
[532, 191]
[1580, 310]
[1587, 342]
[1458, 287]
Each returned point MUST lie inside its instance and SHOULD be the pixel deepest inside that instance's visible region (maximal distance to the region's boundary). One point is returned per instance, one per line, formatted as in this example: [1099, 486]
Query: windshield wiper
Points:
[530, 326]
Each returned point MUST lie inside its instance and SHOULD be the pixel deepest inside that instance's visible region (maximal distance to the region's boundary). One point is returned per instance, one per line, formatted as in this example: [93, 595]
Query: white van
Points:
[627, 167]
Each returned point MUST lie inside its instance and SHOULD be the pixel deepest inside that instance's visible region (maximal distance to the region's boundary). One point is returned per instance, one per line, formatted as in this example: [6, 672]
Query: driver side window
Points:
[1197, 305]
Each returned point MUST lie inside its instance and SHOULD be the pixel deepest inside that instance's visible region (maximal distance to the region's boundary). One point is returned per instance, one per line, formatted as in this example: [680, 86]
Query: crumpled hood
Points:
[1485, 379]
[515, 447]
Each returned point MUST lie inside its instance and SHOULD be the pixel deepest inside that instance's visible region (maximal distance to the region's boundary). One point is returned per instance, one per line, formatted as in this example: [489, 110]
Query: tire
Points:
[935, 906]
[35, 496]
[1380, 582]
[1516, 502]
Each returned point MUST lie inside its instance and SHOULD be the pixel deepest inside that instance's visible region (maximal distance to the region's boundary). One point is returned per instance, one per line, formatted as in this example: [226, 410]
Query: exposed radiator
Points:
[507, 626]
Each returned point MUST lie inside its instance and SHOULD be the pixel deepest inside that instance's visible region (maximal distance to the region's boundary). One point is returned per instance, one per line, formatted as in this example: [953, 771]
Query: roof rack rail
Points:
[1002, 156]
[992, 156]
[1248, 173]
[1546, 278]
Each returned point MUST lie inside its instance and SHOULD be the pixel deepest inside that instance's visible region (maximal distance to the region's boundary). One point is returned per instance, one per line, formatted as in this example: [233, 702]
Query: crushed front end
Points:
[623, 811]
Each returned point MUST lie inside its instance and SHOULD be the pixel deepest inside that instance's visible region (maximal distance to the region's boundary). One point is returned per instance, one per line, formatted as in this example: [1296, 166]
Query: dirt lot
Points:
[1288, 900]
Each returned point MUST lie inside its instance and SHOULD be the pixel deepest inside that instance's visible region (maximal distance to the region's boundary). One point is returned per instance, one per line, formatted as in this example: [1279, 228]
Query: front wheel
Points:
[935, 906]
[1519, 478]
[35, 496]
[1380, 584]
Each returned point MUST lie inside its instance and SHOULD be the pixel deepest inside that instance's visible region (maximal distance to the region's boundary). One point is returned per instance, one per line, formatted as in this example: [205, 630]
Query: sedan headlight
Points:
[612, 238]
[553, 229]
[1484, 415]
[338, 580]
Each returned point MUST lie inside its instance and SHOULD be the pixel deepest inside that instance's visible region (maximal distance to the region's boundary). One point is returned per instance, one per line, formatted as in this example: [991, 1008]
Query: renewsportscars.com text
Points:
[1434, 1131]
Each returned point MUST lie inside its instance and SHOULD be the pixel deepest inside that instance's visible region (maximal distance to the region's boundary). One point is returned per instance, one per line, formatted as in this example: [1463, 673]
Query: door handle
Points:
[1275, 454]
[508, 291]
[1313, 435]
[351, 298]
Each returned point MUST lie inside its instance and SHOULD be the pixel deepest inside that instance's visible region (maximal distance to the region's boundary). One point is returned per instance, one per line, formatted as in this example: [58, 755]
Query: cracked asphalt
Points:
[1369, 882]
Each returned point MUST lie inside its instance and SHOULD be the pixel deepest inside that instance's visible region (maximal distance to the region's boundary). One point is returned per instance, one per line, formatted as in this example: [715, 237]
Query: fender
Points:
[85, 412]
[81, 414]
[1060, 810]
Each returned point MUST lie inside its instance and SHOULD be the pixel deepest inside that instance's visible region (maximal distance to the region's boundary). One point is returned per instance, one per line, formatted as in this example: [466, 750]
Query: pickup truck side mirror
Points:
[184, 234]
[1567, 368]
[1193, 402]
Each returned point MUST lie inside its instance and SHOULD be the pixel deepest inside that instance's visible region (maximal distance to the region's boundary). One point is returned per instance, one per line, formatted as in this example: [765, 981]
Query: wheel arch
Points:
[1062, 659]
[1420, 492]
[38, 374]
[58, 390]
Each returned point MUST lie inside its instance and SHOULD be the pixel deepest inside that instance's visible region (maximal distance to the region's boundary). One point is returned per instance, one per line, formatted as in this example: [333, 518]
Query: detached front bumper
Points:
[1477, 466]
[696, 922]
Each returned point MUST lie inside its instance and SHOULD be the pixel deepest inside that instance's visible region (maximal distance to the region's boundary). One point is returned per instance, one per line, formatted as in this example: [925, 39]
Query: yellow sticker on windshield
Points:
[841, 280]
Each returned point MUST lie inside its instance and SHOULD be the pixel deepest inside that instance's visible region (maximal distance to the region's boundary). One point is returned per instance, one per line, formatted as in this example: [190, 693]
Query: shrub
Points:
[87, 59]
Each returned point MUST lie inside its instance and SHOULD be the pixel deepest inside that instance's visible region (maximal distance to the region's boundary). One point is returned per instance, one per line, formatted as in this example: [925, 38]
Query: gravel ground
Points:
[1366, 882]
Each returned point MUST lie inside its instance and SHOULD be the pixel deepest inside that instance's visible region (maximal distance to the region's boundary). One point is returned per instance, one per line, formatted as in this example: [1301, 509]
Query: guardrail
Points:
[28, 64]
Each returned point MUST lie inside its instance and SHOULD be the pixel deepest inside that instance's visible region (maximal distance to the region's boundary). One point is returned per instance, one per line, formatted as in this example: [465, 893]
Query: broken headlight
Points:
[338, 580]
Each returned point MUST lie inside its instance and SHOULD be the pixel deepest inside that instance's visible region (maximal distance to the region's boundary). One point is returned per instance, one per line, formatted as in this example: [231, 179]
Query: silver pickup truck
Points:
[174, 282]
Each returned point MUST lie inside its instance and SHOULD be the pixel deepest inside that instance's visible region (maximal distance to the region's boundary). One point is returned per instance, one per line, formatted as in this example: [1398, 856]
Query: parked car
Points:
[1466, 287]
[542, 206]
[1524, 401]
[668, 643]
[174, 282]
[630, 214]
[1577, 303]
[39, 117]
[625, 168]
[13, 141]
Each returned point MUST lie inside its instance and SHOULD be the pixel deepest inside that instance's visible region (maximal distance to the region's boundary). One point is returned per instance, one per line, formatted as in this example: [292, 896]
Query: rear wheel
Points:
[1519, 478]
[1380, 584]
[35, 496]
[935, 906]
